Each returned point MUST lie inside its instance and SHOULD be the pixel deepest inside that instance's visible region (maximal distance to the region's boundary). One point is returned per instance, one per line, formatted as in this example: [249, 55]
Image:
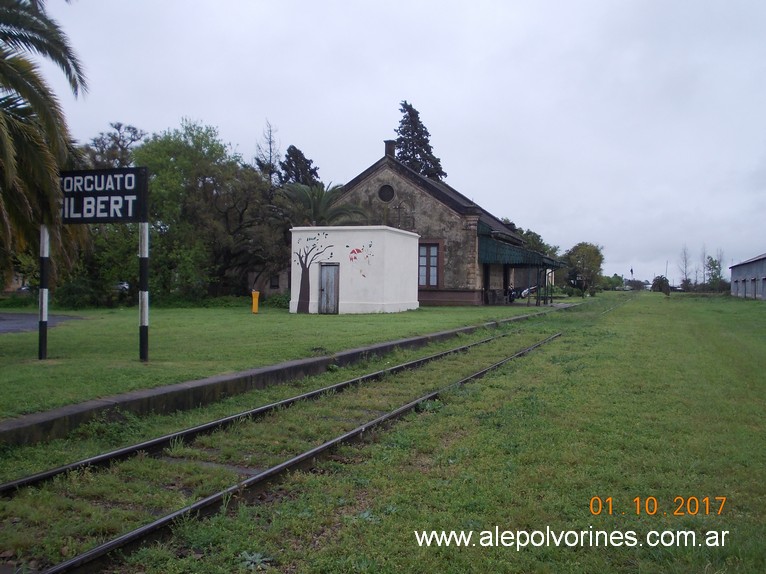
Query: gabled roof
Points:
[443, 193]
[753, 260]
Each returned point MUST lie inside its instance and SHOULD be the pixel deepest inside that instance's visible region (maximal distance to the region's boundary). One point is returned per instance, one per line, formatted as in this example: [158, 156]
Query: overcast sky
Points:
[636, 125]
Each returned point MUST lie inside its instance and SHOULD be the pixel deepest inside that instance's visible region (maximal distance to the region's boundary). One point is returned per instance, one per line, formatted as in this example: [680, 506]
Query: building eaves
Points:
[753, 260]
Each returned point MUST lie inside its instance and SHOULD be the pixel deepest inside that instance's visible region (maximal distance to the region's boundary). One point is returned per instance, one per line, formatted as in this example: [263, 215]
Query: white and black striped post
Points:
[45, 265]
[143, 283]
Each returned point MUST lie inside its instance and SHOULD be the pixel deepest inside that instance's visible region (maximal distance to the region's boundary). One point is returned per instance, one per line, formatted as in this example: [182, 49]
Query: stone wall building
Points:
[467, 256]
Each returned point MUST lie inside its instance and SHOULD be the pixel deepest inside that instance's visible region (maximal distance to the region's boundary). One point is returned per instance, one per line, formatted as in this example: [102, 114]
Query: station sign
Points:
[104, 195]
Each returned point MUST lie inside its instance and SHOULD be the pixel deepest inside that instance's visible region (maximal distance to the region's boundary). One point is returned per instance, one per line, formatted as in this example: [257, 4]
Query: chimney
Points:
[390, 147]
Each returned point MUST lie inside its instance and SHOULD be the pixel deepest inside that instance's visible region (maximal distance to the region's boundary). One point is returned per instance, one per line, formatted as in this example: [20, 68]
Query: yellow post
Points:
[255, 301]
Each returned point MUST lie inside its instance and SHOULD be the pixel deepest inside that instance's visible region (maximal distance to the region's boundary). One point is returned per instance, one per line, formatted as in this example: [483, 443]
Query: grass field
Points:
[655, 407]
[642, 418]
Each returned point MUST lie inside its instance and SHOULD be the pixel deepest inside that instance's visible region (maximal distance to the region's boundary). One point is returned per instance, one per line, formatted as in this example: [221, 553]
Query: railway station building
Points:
[466, 255]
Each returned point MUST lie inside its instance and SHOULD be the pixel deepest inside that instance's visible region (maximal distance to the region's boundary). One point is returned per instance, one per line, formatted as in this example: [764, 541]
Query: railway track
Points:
[125, 497]
[157, 445]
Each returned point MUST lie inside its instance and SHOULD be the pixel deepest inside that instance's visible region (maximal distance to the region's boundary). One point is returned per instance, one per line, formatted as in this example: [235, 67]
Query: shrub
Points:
[15, 300]
[76, 294]
[278, 300]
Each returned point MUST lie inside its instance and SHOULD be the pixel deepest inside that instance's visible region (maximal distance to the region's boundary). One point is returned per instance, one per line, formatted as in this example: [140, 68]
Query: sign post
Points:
[143, 286]
[45, 265]
[112, 196]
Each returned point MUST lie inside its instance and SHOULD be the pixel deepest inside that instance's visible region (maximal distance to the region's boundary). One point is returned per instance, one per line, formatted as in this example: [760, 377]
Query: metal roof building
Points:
[748, 279]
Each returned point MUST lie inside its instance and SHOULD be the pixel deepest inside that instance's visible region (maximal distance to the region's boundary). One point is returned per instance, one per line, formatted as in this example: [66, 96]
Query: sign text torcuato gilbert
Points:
[103, 195]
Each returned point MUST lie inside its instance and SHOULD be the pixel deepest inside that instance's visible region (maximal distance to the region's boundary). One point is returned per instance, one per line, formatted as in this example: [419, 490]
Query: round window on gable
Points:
[386, 193]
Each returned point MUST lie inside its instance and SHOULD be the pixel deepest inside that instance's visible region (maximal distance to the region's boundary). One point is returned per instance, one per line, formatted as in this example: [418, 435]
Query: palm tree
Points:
[315, 205]
[34, 138]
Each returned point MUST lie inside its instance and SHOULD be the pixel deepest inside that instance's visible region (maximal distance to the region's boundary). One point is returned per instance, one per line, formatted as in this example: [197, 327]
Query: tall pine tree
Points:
[413, 147]
[297, 168]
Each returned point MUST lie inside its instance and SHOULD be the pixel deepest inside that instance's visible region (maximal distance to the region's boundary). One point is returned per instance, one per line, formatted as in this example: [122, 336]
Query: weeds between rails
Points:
[94, 507]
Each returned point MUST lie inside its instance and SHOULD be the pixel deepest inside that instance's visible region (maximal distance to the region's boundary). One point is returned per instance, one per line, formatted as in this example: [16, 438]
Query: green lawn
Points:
[638, 422]
[658, 403]
[99, 355]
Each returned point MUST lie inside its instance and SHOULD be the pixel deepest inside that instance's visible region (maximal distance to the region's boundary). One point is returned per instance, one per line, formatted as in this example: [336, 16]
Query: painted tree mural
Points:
[307, 255]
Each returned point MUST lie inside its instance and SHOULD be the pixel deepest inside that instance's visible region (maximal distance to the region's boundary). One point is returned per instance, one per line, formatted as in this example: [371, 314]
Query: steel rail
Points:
[627, 300]
[97, 557]
[157, 445]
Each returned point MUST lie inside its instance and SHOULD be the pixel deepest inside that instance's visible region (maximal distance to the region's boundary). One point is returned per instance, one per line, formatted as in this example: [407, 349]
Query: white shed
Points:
[354, 269]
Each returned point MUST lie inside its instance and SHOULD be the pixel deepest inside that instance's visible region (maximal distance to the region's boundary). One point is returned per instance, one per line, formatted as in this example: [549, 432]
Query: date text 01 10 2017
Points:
[682, 506]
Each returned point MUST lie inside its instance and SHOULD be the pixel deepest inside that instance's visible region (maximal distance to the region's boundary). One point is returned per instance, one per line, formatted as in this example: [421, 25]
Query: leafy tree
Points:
[612, 283]
[714, 273]
[534, 241]
[296, 168]
[584, 262]
[304, 205]
[247, 238]
[413, 145]
[660, 284]
[210, 219]
[34, 138]
[206, 213]
[113, 149]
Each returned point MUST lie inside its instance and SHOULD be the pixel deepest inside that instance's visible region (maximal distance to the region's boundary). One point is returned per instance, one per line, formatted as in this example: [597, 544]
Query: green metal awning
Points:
[496, 252]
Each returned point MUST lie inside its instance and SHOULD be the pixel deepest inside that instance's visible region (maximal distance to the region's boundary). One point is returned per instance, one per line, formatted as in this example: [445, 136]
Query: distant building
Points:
[748, 279]
[15, 283]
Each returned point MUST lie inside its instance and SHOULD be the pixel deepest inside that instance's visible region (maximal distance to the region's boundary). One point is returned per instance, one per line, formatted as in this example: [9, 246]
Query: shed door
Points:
[329, 274]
